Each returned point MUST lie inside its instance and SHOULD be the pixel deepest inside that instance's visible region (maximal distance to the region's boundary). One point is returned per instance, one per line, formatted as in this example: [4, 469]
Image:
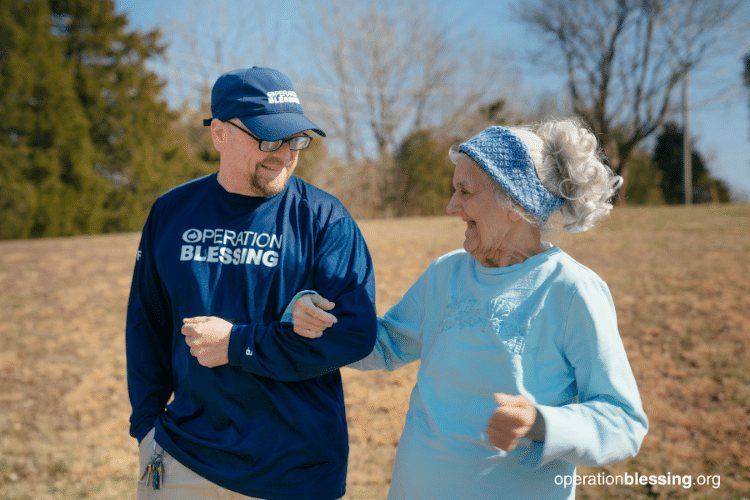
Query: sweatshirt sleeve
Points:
[607, 423]
[399, 339]
[398, 342]
[343, 273]
[148, 337]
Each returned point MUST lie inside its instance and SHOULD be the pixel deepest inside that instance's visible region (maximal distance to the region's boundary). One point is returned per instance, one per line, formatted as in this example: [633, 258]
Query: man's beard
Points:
[271, 188]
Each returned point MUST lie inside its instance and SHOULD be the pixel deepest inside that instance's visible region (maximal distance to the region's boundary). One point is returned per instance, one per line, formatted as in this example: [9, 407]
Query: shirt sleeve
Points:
[148, 338]
[607, 423]
[400, 337]
[342, 273]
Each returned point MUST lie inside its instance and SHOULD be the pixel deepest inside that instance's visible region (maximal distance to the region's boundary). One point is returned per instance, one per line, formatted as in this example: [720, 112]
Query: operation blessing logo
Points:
[231, 247]
[282, 96]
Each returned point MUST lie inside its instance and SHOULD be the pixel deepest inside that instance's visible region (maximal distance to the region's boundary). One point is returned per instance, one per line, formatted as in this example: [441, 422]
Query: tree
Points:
[424, 174]
[495, 113]
[668, 158]
[423, 169]
[137, 149]
[644, 187]
[623, 59]
[211, 38]
[47, 189]
[86, 144]
[388, 69]
[312, 160]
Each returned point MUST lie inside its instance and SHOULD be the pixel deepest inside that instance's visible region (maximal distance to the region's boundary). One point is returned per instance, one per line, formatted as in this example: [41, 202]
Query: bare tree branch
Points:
[399, 68]
[390, 68]
[212, 38]
[624, 58]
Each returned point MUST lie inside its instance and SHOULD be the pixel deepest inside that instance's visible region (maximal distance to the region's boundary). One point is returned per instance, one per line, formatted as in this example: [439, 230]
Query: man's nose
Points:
[285, 154]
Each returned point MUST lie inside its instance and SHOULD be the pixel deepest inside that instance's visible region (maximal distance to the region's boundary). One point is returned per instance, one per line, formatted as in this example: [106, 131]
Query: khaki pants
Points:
[179, 482]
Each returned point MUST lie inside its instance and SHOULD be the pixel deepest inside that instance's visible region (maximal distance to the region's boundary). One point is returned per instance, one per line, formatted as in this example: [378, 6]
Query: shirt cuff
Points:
[240, 351]
[287, 316]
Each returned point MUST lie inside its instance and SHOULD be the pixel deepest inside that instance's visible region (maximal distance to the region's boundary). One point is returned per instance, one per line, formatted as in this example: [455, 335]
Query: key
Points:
[146, 472]
[158, 473]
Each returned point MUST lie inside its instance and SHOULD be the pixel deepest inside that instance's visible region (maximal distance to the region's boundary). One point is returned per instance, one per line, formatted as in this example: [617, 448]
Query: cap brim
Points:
[275, 127]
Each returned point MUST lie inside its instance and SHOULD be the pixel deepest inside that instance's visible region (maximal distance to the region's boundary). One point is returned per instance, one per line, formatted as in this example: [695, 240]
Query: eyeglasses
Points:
[295, 143]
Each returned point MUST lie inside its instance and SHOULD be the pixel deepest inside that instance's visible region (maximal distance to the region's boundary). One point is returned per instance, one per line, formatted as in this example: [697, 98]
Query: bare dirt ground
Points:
[680, 278]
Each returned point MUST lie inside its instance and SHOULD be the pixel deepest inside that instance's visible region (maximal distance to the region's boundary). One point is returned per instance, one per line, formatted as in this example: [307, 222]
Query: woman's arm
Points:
[607, 423]
[399, 339]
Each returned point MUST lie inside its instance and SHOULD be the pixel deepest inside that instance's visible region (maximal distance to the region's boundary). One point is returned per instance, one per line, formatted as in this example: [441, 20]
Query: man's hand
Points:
[310, 316]
[513, 420]
[208, 339]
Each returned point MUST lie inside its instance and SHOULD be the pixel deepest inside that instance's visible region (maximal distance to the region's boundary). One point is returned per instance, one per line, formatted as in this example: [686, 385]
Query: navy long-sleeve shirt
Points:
[271, 422]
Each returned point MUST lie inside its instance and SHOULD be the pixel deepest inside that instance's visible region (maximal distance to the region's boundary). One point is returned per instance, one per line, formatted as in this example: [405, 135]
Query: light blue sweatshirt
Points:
[545, 329]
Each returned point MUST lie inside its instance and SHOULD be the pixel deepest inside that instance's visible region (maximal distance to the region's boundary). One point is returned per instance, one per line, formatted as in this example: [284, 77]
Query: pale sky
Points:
[720, 104]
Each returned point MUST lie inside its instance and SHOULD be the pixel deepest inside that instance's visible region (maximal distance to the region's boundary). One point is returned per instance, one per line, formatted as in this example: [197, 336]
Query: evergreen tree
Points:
[45, 149]
[644, 187]
[668, 158]
[86, 143]
[137, 148]
[424, 173]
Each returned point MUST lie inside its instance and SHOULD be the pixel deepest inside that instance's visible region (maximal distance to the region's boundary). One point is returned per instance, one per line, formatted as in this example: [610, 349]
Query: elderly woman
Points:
[523, 373]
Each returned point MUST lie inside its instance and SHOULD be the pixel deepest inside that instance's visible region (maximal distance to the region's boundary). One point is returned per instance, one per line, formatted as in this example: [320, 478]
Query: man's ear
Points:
[218, 133]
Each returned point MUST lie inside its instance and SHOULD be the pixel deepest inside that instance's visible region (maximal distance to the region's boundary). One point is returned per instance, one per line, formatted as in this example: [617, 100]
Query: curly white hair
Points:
[569, 164]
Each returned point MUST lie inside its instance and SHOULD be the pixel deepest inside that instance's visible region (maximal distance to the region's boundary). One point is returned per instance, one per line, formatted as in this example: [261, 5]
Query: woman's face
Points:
[474, 200]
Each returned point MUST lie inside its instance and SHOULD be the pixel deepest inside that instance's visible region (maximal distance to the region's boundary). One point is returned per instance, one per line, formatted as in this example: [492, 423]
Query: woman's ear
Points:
[513, 215]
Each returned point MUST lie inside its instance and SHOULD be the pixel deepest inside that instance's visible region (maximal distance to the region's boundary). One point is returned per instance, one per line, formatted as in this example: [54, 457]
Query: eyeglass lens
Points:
[295, 143]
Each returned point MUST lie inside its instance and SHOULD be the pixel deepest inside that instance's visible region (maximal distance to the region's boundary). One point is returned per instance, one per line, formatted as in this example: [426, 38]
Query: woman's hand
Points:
[514, 418]
[310, 316]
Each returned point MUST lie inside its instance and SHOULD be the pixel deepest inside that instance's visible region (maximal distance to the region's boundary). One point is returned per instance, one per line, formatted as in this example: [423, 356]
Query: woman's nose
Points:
[452, 206]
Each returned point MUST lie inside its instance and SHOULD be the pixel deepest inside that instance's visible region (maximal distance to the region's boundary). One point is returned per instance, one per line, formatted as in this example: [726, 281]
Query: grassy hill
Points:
[680, 278]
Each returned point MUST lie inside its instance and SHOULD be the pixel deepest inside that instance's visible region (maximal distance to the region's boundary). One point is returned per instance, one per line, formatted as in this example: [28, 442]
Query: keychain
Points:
[155, 469]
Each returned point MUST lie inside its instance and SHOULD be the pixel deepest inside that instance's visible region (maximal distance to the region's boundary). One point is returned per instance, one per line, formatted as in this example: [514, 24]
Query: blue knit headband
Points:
[505, 157]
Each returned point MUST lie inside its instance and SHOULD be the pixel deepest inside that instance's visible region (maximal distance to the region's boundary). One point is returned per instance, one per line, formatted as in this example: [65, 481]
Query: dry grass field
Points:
[680, 278]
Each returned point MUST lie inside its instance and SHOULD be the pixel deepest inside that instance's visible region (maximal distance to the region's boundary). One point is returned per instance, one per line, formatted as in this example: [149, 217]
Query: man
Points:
[226, 399]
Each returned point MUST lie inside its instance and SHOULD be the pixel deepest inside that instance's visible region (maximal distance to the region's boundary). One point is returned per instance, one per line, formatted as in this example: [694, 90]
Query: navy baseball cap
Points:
[264, 100]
